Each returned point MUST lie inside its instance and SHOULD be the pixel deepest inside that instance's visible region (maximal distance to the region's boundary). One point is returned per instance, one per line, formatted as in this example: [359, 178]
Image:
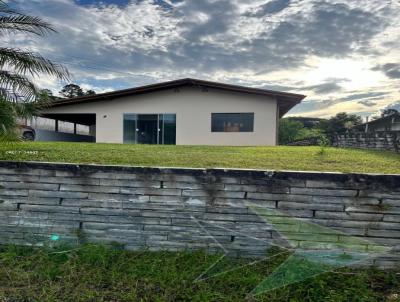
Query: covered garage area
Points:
[66, 127]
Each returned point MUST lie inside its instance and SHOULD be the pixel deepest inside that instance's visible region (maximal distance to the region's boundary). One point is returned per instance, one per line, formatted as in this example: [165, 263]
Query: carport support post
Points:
[74, 128]
[56, 129]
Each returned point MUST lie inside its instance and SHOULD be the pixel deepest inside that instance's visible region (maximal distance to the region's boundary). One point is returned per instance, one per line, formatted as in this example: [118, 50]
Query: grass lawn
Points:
[95, 273]
[274, 158]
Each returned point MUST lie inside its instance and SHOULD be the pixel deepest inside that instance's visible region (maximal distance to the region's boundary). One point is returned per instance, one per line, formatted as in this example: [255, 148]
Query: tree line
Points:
[67, 92]
[293, 129]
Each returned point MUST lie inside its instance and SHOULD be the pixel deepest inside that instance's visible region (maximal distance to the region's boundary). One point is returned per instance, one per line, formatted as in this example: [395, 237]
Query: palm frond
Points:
[18, 23]
[27, 109]
[14, 87]
[8, 120]
[24, 62]
[18, 95]
[13, 21]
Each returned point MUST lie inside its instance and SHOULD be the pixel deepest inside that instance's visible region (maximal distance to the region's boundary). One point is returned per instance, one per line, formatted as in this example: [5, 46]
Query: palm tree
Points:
[18, 94]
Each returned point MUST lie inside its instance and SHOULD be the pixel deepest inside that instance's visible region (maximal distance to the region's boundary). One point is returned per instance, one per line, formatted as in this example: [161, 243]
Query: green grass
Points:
[97, 273]
[274, 158]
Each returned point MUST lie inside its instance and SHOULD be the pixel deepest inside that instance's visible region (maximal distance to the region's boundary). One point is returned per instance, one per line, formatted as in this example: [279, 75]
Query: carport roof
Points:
[78, 118]
[285, 100]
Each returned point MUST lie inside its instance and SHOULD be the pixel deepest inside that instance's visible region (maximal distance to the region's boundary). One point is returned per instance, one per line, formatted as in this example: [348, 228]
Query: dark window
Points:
[232, 122]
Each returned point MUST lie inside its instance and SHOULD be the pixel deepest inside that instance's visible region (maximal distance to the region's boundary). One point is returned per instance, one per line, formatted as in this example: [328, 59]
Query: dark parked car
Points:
[27, 133]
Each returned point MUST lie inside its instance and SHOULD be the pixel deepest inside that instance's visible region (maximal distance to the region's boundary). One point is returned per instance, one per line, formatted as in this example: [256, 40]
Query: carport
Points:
[76, 119]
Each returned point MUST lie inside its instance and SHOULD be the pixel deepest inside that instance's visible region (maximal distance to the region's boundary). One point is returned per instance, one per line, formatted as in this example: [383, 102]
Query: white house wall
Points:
[193, 108]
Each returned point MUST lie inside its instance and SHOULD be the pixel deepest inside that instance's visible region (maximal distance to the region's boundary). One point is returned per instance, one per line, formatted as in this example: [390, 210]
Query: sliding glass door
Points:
[129, 128]
[150, 129]
[147, 129]
[167, 124]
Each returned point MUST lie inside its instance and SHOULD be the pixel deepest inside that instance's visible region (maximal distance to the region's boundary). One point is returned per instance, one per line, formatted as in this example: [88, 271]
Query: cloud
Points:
[325, 88]
[361, 103]
[366, 95]
[392, 70]
[271, 7]
[368, 103]
[315, 28]
[395, 105]
[204, 35]
[335, 29]
[279, 87]
[259, 43]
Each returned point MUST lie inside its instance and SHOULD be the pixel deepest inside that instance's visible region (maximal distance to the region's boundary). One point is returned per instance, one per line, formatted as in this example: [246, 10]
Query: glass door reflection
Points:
[149, 129]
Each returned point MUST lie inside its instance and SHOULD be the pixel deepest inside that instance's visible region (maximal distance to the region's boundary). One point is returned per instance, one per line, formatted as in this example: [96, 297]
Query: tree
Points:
[18, 94]
[72, 91]
[339, 124]
[292, 129]
[45, 95]
[389, 111]
[90, 92]
[288, 130]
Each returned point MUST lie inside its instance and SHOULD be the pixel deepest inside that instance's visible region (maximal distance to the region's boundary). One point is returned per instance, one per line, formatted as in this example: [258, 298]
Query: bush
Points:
[290, 131]
[306, 133]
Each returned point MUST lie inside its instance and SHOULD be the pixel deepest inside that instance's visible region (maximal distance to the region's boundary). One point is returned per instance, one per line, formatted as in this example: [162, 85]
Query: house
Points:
[182, 112]
[386, 123]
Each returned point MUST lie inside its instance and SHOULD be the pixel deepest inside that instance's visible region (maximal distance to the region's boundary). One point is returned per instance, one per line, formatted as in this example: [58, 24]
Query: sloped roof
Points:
[385, 119]
[285, 100]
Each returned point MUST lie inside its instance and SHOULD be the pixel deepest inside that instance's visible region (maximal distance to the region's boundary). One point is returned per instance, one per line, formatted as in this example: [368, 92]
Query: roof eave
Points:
[284, 97]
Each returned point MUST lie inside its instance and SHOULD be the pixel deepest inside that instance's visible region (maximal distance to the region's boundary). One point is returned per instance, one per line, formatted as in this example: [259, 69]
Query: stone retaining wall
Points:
[213, 209]
[383, 140]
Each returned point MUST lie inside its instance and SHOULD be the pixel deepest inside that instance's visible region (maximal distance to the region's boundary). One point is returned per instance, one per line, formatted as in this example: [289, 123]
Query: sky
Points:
[344, 55]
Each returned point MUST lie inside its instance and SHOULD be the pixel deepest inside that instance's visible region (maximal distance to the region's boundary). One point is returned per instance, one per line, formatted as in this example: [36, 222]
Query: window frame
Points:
[163, 119]
[232, 113]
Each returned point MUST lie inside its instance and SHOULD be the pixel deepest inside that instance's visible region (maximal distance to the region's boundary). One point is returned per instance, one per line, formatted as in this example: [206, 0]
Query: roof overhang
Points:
[286, 101]
[87, 119]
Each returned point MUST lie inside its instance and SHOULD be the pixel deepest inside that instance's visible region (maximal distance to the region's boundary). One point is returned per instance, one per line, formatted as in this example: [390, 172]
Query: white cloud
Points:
[86, 86]
[308, 46]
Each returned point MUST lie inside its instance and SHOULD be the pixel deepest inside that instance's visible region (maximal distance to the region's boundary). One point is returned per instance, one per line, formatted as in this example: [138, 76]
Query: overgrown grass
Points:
[97, 273]
[277, 158]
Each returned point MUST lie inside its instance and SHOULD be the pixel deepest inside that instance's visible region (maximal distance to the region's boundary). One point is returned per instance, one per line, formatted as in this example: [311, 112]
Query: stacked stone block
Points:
[384, 140]
[184, 209]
